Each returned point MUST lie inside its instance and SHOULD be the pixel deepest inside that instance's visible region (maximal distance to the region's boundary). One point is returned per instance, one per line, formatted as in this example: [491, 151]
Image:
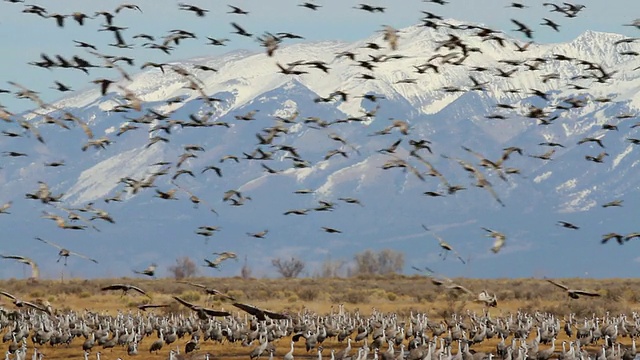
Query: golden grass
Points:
[394, 294]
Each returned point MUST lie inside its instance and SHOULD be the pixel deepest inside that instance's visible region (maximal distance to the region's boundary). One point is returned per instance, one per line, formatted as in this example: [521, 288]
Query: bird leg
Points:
[443, 255]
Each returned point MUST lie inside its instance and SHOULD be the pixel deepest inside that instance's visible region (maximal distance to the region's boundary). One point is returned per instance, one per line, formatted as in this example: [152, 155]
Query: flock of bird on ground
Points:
[377, 336]
[48, 326]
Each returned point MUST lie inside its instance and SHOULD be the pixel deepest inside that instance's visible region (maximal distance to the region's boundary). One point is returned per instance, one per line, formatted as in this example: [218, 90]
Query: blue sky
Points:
[25, 36]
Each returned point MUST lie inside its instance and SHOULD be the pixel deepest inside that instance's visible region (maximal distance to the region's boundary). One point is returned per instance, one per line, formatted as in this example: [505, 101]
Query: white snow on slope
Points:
[99, 180]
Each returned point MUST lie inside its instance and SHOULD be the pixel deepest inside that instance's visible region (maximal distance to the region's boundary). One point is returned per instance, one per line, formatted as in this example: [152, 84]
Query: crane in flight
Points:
[65, 253]
[446, 248]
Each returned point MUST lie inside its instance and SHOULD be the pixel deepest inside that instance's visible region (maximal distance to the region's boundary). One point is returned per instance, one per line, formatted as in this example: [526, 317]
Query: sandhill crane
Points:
[65, 253]
[144, 307]
[289, 355]
[157, 345]
[209, 291]
[35, 270]
[499, 239]
[573, 293]
[202, 312]
[125, 288]
[21, 303]
[261, 314]
[445, 247]
[149, 271]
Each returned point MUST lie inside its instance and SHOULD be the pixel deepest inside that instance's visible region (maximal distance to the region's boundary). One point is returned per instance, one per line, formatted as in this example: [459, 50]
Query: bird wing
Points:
[584, 292]
[443, 243]
[238, 27]
[212, 312]
[558, 284]
[14, 257]
[35, 306]
[460, 287]
[35, 270]
[193, 284]
[186, 303]
[10, 296]
[83, 256]
[275, 315]
[144, 307]
[138, 290]
[114, 287]
[248, 308]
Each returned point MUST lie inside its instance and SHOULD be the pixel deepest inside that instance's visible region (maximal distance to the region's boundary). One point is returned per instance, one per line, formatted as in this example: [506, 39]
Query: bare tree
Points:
[184, 268]
[384, 262]
[288, 268]
[245, 272]
[390, 262]
[331, 268]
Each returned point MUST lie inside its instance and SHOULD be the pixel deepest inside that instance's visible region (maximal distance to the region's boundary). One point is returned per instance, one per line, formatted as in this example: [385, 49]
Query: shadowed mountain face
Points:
[286, 139]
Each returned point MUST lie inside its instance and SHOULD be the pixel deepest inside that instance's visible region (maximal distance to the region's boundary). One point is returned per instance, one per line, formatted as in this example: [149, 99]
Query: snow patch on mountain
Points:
[618, 158]
[100, 179]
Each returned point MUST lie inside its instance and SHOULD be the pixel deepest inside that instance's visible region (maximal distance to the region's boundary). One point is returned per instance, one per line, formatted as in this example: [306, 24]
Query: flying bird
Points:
[35, 270]
[208, 290]
[21, 303]
[202, 312]
[259, 313]
[65, 253]
[573, 293]
[499, 239]
[149, 271]
[568, 225]
[125, 288]
[446, 248]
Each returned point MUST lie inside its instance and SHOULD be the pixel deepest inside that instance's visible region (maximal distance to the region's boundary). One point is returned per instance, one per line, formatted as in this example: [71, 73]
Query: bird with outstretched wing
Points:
[573, 293]
[261, 314]
[203, 312]
[65, 253]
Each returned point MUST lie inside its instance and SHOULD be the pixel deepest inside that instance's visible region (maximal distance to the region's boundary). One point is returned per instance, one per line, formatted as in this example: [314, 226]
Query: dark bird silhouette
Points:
[310, 6]
[240, 30]
[144, 307]
[237, 10]
[523, 28]
[104, 85]
[550, 24]
[198, 11]
[568, 225]
[606, 237]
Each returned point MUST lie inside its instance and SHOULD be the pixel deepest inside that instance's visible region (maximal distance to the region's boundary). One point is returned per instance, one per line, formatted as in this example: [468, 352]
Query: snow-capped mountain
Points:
[393, 204]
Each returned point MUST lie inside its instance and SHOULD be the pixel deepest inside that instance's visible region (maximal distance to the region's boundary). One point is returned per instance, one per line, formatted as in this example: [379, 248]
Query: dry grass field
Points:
[401, 295]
